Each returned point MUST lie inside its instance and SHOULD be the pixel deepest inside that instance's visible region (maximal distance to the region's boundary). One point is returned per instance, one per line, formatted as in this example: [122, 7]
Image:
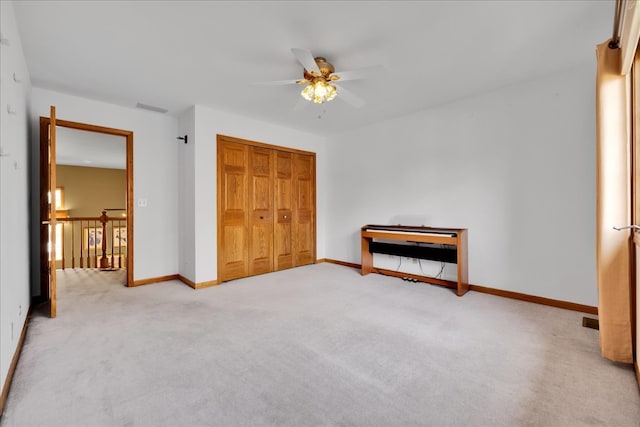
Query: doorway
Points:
[101, 139]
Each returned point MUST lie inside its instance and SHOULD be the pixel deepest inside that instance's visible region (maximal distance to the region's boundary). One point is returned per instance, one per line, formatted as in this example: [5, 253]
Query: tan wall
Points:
[86, 192]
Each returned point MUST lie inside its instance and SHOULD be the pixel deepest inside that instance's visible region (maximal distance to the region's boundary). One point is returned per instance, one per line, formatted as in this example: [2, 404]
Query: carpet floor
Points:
[311, 346]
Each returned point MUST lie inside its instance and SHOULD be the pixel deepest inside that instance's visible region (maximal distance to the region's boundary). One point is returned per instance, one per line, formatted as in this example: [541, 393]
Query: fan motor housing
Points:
[325, 67]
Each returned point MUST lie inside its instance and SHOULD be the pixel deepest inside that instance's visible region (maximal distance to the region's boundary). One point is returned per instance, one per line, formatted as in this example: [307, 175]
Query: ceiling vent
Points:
[151, 108]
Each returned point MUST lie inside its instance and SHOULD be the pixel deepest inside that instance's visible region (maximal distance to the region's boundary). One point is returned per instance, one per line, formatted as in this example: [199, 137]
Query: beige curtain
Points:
[613, 132]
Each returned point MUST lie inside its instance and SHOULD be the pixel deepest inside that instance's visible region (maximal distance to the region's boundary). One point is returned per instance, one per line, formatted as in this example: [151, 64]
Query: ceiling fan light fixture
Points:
[319, 91]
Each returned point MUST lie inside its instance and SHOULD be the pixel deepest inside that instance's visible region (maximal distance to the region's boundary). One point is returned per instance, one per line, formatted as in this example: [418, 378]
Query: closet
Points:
[266, 208]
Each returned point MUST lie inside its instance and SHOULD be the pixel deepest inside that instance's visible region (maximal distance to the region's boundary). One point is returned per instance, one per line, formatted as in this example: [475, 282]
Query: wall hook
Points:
[183, 138]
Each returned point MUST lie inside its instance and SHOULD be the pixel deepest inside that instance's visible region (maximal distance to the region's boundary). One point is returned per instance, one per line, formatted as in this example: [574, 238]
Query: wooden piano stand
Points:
[449, 236]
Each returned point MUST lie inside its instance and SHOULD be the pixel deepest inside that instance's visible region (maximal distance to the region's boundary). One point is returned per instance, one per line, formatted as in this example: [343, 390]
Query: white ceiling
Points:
[175, 54]
[90, 149]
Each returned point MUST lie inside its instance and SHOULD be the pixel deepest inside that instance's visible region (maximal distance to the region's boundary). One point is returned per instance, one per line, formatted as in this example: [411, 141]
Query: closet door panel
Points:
[232, 190]
[283, 207]
[266, 208]
[260, 210]
[304, 209]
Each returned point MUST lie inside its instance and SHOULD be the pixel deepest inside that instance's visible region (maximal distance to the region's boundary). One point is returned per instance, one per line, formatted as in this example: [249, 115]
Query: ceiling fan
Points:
[320, 80]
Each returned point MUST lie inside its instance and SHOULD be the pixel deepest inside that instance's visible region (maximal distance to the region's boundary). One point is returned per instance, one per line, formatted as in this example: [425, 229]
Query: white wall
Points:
[515, 166]
[155, 176]
[208, 124]
[14, 189]
[186, 195]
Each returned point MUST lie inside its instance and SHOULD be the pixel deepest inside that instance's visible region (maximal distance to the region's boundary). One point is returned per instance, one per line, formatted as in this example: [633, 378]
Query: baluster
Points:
[120, 243]
[62, 223]
[96, 250]
[87, 248]
[113, 233]
[81, 246]
[123, 238]
[73, 244]
[89, 244]
[90, 226]
[95, 246]
[104, 261]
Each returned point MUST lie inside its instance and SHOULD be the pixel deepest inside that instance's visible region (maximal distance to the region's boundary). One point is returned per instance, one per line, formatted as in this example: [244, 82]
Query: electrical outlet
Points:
[142, 203]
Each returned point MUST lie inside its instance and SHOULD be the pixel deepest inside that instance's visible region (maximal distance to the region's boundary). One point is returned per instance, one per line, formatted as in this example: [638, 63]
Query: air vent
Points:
[588, 322]
[151, 108]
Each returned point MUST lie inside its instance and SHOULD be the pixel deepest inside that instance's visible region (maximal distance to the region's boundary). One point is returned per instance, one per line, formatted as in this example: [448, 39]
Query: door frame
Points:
[44, 131]
[635, 212]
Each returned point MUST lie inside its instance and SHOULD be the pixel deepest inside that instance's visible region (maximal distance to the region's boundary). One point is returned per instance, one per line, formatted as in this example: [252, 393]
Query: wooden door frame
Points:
[224, 138]
[128, 135]
[635, 207]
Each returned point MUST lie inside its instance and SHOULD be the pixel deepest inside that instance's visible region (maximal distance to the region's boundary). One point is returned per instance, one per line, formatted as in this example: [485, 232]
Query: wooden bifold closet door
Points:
[260, 210]
[304, 207]
[266, 208]
[283, 257]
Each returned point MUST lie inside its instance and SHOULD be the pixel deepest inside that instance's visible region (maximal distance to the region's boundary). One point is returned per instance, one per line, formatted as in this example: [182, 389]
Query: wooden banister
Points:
[96, 242]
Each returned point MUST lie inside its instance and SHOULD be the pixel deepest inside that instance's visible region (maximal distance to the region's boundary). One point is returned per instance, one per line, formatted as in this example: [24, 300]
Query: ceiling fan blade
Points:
[306, 59]
[349, 97]
[361, 73]
[275, 83]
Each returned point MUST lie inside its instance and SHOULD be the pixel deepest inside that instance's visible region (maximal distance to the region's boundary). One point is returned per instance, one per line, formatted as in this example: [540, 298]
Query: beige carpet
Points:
[312, 346]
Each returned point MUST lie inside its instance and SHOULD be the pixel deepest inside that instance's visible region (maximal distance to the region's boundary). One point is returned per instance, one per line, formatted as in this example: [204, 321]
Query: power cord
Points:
[437, 276]
[412, 280]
